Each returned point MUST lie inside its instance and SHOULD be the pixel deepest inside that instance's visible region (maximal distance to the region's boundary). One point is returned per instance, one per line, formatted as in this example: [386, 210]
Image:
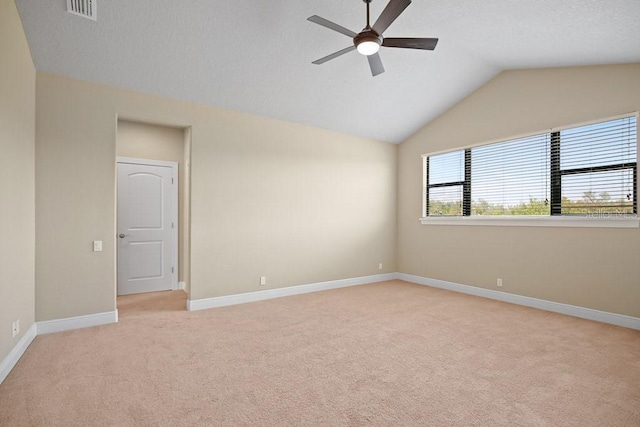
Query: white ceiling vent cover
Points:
[84, 8]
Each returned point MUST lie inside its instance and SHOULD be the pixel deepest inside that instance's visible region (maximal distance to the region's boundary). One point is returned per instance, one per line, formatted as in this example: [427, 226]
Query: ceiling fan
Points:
[369, 40]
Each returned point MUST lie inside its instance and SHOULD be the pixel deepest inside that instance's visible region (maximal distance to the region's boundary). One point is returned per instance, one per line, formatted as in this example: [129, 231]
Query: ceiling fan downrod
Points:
[368, 27]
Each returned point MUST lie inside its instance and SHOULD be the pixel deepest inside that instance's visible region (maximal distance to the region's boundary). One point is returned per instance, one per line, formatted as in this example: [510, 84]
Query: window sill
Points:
[535, 221]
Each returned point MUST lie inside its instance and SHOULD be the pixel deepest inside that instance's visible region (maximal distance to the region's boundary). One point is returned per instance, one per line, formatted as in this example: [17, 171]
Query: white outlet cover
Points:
[97, 245]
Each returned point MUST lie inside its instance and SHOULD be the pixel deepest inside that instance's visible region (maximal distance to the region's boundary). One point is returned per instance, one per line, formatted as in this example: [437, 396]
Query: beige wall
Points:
[268, 198]
[17, 198]
[156, 142]
[595, 268]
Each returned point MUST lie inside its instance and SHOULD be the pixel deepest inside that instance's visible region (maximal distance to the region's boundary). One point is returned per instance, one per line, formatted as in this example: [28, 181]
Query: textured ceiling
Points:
[255, 56]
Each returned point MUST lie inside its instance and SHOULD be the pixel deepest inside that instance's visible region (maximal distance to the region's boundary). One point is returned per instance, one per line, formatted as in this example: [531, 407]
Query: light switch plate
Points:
[97, 246]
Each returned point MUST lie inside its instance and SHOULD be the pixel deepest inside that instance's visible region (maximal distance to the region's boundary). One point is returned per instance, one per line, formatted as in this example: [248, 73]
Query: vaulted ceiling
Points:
[255, 56]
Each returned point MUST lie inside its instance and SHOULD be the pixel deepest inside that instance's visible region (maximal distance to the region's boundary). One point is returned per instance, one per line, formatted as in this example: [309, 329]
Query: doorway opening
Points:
[152, 220]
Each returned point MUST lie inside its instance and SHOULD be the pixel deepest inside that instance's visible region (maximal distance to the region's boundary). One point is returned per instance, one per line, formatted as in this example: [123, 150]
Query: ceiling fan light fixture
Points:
[367, 42]
[368, 48]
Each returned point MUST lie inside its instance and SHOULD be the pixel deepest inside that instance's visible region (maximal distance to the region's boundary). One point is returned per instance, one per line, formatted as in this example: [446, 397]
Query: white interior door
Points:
[145, 228]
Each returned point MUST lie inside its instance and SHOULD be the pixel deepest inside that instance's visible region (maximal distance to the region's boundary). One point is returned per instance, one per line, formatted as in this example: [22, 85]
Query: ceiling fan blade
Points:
[411, 43]
[376, 64]
[390, 14]
[331, 25]
[334, 55]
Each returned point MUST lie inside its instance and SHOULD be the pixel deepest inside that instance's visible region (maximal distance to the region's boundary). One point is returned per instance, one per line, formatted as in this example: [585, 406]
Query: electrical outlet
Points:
[15, 328]
[499, 283]
[263, 280]
[97, 246]
[380, 266]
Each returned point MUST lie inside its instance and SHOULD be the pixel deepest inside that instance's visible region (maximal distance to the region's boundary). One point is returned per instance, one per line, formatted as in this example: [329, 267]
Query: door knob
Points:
[122, 235]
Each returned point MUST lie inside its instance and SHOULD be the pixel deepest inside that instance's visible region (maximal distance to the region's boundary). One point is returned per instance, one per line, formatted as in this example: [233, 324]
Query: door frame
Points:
[174, 211]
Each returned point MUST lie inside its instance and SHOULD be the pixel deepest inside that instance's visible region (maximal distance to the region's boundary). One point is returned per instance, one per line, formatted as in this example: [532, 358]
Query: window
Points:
[594, 169]
[511, 178]
[446, 183]
[583, 171]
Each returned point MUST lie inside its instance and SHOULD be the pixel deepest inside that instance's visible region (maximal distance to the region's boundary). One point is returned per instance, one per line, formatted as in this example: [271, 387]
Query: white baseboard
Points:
[59, 325]
[557, 307]
[201, 304]
[16, 353]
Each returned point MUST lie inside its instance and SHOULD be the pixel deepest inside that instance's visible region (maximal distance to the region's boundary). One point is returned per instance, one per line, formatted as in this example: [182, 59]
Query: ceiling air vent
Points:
[84, 8]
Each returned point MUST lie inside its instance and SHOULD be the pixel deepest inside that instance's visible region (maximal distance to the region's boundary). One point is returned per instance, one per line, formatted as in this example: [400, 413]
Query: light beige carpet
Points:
[390, 353]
